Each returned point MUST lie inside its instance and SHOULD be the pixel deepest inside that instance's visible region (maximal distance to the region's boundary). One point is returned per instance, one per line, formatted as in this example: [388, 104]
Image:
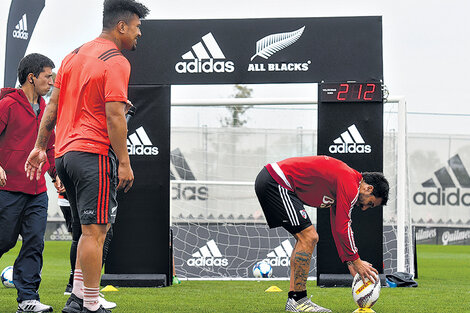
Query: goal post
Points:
[219, 229]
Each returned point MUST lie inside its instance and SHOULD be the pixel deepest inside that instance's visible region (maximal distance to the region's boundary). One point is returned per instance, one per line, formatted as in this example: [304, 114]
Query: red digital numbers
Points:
[345, 93]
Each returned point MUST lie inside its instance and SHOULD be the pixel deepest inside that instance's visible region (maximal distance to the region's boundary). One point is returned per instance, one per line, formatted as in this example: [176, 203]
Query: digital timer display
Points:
[351, 92]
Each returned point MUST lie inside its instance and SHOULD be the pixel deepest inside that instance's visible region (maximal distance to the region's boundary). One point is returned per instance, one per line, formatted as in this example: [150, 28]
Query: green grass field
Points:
[444, 286]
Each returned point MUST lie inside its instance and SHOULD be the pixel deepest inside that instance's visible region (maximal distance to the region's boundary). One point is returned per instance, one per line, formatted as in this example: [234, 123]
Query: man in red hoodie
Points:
[284, 187]
[24, 202]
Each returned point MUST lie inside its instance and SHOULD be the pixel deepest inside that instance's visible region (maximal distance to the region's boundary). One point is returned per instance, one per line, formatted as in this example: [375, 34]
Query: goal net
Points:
[219, 230]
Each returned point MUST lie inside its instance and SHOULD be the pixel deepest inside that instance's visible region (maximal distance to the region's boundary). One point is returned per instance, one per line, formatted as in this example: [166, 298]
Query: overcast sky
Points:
[426, 44]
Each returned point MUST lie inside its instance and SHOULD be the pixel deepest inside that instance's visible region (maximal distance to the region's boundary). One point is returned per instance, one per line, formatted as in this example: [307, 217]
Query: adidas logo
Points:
[208, 255]
[456, 178]
[139, 143]
[280, 256]
[179, 168]
[202, 60]
[21, 29]
[61, 233]
[350, 141]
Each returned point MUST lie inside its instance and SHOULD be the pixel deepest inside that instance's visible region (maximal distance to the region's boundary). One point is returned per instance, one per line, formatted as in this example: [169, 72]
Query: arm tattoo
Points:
[47, 126]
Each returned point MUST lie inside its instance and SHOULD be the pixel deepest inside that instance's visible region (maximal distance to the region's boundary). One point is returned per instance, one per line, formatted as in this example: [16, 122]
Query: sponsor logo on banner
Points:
[446, 187]
[180, 170]
[139, 143]
[61, 233]
[21, 29]
[271, 44]
[208, 256]
[205, 57]
[449, 237]
[280, 256]
[425, 234]
[350, 141]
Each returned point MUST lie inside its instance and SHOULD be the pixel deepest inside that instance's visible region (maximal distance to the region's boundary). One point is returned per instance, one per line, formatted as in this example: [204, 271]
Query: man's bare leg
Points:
[301, 257]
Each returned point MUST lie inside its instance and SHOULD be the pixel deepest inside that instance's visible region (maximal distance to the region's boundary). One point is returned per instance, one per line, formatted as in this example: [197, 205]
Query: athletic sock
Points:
[71, 278]
[297, 295]
[90, 298]
[78, 283]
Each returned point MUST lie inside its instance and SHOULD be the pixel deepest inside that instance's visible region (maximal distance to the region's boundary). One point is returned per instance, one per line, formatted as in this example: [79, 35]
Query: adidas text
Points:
[278, 261]
[204, 66]
[142, 150]
[440, 197]
[350, 148]
[20, 34]
[207, 262]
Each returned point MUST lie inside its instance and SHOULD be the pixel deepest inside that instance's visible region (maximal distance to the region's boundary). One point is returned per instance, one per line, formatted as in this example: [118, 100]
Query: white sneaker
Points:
[304, 305]
[105, 303]
[32, 306]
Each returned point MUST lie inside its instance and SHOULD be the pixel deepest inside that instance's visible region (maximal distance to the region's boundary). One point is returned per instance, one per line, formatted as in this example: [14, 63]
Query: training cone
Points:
[273, 289]
[109, 288]
[364, 310]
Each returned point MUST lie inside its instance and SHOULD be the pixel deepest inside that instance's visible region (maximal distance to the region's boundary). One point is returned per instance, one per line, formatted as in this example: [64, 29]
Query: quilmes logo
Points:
[139, 143]
[424, 234]
[208, 255]
[271, 44]
[207, 58]
[180, 170]
[61, 233]
[280, 256]
[21, 29]
[446, 188]
[350, 141]
[455, 236]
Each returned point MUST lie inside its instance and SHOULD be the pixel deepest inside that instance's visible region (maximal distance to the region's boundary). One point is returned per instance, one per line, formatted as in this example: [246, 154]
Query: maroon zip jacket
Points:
[19, 128]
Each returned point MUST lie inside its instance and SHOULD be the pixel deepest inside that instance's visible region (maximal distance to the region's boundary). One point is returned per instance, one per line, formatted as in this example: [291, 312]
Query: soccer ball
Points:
[365, 295]
[262, 270]
[7, 277]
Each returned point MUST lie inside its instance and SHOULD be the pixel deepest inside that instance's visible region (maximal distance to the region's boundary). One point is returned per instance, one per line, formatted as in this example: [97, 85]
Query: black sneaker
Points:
[68, 290]
[73, 305]
[100, 310]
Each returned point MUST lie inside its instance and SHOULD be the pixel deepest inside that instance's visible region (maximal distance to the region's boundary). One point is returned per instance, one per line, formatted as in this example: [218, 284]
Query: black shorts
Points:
[90, 181]
[281, 206]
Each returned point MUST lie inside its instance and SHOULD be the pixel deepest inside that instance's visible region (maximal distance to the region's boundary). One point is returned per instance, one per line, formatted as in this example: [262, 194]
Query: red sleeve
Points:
[117, 80]
[58, 78]
[341, 221]
[4, 112]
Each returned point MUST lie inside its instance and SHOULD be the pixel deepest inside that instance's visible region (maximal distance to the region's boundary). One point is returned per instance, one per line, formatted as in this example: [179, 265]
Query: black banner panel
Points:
[141, 233]
[351, 131]
[287, 50]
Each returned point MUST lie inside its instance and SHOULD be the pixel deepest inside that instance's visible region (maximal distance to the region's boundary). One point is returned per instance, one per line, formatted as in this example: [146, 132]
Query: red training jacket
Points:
[19, 129]
[324, 182]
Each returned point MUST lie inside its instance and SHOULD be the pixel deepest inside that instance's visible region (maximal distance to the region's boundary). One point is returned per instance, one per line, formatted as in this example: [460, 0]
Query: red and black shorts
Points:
[281, 206]
[90, 181]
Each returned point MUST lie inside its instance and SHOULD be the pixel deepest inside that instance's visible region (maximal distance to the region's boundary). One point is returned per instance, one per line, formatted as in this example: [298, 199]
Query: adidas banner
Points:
[21, 22]
[351, 132]
[258, 50]
[141, 233]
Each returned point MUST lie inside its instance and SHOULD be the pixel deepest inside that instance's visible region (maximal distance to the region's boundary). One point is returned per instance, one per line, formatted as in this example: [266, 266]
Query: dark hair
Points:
[380, 184]
[33, 63]
[121, 10]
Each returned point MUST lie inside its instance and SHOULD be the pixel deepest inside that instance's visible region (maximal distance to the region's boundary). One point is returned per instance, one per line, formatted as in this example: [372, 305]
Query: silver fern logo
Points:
[271, 44]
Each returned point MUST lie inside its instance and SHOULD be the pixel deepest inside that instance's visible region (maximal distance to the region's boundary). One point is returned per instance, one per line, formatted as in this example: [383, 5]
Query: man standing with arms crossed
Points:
[89, 104]
[284, 187]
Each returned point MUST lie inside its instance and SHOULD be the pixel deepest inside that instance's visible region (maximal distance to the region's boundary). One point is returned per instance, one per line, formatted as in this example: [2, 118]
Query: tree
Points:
[236, 118]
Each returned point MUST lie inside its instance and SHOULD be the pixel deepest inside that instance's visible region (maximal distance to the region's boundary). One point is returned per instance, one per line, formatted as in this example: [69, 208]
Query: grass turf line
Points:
[444, 286]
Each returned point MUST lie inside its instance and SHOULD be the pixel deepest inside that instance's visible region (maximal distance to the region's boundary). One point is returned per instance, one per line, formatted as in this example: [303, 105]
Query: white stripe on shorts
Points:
[294, 220]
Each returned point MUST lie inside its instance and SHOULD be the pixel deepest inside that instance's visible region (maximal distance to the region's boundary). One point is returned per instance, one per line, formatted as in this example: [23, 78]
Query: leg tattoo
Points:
[301, 268]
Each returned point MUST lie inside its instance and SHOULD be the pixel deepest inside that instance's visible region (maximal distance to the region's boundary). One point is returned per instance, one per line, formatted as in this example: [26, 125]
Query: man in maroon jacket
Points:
[323, 182]
[24, 202]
